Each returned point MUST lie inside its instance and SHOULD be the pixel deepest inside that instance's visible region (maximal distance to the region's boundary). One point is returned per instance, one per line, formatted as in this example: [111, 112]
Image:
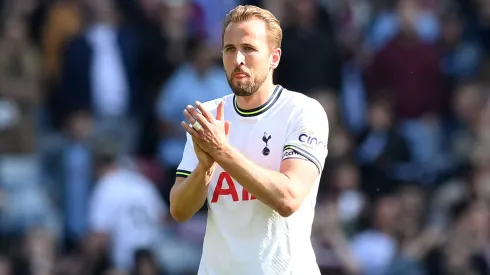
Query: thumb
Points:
[227, 127]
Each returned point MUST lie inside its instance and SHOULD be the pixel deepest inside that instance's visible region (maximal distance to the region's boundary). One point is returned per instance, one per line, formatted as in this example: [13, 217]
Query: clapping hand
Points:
[209, 134]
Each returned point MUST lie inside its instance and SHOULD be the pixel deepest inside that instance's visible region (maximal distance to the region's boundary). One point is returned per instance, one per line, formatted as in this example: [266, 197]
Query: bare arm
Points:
[304, 154]
[188, 195]
[283, 191]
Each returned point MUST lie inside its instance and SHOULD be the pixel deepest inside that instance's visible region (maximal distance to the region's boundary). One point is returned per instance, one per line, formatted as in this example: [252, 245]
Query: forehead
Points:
[253, 32]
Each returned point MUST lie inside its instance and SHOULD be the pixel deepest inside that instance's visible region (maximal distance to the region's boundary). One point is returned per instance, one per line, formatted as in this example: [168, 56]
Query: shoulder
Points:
[212, 105]
[106, 185]
[303, 105]
[121, 179]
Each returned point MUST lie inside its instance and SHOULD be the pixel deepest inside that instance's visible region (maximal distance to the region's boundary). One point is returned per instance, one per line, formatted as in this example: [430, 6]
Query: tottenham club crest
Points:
[266, 151]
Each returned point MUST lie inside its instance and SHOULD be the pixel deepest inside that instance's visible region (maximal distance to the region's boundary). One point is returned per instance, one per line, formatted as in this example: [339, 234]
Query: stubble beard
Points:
[248, 87]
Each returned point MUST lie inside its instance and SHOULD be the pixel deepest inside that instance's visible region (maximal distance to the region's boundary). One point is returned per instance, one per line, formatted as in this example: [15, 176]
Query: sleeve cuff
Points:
[306, 155]
[182, 173]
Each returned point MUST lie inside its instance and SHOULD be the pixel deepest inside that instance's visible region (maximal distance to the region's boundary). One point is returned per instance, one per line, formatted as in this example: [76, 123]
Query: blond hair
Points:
[247, 12]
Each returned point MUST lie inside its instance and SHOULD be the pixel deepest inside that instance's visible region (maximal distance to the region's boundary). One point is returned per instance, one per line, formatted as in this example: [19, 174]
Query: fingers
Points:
[189, 117]
[193, 115]
[194, 134]
[227, 127]
[205, 113]
[220, 112]
[196, 145]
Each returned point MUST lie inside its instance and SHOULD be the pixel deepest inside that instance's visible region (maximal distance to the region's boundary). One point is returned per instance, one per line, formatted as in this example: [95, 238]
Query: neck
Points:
[258, 98]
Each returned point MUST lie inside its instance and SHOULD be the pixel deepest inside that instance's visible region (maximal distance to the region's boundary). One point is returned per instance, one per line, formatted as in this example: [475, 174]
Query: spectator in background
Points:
[468, 102]
[353, 95]
[416, 239]
[64, 20]
[101, 74]
[461, 55]
[161, 52]
[125, 211]
[99, 91]
[333, 251]
[200, 79]
[164, 30]
[341, 148]
[175, 23]
[407, 73]
[477, 17]
[388, 23]
[464, 249]
[382, 153]
[75, 161]
[20, 175]
[310, 32]
[351, 202]
[351, 17]
[376, 247]
[20, 94]
[413, 202]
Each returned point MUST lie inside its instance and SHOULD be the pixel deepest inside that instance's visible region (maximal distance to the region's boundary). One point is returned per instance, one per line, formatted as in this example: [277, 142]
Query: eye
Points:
[249, 49]
[229, 49]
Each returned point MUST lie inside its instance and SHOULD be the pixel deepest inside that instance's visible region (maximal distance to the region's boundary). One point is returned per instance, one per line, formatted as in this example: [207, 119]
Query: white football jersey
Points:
[243, 235]
[128, 207]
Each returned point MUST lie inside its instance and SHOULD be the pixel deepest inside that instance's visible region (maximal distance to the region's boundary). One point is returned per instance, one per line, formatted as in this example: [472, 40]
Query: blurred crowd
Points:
[92, 93]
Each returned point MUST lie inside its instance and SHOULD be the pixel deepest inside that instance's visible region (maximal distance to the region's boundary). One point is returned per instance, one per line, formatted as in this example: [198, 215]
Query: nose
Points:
[239, 58]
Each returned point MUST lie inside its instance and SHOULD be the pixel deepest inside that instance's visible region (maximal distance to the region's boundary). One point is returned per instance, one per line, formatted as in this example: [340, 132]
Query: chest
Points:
[259, 141]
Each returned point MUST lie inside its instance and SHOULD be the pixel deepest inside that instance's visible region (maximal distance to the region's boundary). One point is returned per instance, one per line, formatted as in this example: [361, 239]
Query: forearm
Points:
[189, 195]
[270, 187]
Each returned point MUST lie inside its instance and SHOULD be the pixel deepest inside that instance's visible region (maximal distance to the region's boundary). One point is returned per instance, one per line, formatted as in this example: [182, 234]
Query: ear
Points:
[275, 57]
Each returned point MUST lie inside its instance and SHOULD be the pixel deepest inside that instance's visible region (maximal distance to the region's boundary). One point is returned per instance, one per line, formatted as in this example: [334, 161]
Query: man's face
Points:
[247, 57]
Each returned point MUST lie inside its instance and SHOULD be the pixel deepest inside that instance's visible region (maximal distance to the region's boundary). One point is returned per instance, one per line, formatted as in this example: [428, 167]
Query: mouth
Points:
[240, 75]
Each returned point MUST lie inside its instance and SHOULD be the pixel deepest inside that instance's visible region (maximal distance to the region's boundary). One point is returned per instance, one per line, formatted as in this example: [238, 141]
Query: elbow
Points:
[288, 208]
[178, 215]
[289, 203]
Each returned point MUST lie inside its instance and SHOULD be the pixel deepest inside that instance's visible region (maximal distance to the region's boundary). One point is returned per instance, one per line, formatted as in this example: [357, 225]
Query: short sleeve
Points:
[189, 159]
[307, 134]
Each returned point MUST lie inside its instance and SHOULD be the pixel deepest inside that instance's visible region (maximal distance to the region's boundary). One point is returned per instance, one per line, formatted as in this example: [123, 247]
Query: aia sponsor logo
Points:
[226, 187]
